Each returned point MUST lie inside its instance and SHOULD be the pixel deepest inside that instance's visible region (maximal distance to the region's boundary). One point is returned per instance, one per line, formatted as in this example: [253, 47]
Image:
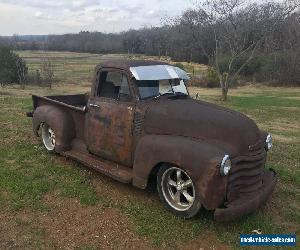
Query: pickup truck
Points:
[139, 122]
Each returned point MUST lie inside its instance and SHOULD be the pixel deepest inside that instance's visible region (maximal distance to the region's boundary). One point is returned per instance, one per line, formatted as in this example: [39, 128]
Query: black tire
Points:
[187, 203]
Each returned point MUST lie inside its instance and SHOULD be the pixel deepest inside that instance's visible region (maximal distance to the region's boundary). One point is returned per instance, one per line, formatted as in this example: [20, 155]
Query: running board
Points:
[111, 169]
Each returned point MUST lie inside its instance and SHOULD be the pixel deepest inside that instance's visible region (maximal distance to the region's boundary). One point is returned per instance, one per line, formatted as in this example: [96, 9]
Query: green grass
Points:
[262, 102]
[28, 172]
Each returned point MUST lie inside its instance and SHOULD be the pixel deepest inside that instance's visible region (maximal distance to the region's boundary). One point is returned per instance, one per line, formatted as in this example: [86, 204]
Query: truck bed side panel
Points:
[73, 105]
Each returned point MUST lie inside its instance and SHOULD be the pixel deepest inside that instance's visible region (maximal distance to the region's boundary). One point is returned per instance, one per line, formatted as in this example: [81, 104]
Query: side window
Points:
[114, 84]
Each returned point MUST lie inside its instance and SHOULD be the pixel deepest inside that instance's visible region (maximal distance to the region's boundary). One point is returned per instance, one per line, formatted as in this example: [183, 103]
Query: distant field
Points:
[48, 202]
[77, 67]
[68, 66]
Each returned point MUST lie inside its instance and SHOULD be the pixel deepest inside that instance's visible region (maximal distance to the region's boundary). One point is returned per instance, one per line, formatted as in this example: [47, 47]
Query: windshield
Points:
[156, 88]
[157, 80]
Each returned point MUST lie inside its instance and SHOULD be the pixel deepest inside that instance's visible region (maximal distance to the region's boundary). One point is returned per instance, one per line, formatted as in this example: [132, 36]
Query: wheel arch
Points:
[152, 177]
[155, 150]
[59, 120]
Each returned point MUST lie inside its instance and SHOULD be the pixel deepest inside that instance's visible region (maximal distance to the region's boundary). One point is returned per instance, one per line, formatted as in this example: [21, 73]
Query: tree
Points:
[229, 32]
[47, 70]
[235, 36]
[21, 71]
[13, 69]
[239, 30]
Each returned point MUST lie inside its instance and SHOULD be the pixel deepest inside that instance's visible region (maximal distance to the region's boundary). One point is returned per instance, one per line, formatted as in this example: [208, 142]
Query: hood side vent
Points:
[138, 123]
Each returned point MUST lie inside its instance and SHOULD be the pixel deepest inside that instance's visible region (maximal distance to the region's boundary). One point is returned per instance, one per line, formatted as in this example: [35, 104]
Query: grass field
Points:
[68, 66]
[78, 67]
[49, 202]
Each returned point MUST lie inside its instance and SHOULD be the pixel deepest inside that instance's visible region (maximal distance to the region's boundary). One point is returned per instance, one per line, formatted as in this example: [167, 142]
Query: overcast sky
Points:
[71, 16]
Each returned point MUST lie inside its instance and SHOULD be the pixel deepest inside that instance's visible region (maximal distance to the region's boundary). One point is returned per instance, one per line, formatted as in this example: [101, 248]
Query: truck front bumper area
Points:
[248, 203]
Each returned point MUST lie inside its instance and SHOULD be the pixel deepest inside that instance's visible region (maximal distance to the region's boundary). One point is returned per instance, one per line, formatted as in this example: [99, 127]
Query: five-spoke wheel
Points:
[48, 137]
[178, 191]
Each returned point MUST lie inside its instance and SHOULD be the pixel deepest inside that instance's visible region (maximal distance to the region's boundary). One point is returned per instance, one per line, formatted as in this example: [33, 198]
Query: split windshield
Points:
[157, 80]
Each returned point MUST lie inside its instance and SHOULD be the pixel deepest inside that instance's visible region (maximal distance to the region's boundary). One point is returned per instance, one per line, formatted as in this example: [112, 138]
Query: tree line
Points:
[257, 41]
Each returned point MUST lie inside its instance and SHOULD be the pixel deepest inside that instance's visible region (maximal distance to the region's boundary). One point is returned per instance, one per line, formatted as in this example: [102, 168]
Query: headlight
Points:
[269, 142]
[225, 165]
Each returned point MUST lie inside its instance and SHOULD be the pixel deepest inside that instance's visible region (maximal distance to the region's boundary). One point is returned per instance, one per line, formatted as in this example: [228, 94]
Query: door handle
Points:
[94, 105]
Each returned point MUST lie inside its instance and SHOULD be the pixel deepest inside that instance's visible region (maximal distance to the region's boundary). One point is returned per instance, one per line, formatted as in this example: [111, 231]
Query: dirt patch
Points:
[205, 241]
[16, 233]
[70, 225]
[66, 224]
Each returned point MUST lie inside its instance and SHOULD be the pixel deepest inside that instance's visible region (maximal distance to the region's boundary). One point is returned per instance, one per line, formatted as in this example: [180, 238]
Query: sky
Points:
[39, 17]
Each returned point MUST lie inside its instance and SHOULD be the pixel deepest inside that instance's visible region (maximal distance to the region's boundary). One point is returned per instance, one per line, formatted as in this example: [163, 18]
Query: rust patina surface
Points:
[130, 139]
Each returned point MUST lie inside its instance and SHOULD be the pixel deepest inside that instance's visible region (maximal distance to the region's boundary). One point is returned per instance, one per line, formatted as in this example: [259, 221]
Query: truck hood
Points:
[231, 131]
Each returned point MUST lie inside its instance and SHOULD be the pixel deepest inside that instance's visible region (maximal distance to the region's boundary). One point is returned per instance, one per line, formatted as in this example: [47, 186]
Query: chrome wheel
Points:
[48, 136]
[178, 189]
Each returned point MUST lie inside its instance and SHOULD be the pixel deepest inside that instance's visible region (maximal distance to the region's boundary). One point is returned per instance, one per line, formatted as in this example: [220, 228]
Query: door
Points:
[110, 118]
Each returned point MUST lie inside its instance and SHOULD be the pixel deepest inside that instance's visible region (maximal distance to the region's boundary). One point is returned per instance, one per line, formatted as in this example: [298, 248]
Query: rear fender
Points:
[60, 121]
[198, 158]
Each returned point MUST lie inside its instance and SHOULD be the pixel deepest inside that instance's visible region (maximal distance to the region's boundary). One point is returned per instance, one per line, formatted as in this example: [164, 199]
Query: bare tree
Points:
[22, 71]
[239, 30]
[229, 32]
[232, 36]
[47, 70]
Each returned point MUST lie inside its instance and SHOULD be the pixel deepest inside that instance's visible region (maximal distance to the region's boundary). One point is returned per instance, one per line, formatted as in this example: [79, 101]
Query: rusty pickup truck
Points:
[139, 122]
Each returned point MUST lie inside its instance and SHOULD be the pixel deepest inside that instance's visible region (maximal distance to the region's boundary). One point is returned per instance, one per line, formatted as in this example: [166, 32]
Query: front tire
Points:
[48, 137]
[178, 191]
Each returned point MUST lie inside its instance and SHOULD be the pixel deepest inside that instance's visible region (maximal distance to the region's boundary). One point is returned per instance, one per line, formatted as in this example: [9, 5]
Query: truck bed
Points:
[74, 105]
[76, 102]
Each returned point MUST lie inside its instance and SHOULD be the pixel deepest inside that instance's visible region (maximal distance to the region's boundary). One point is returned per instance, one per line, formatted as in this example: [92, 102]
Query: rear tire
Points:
[178, 191]
[48, 137]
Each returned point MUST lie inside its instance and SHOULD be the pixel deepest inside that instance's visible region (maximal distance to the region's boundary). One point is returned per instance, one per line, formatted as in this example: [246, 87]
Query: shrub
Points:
[13, 69]
[179, 65]
[34, 77]
[197, 81]
[280, 67]
[249, 69]
[212, 79]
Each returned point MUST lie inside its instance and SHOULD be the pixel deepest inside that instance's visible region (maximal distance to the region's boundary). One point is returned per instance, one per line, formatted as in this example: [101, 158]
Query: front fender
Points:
[199, 158]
